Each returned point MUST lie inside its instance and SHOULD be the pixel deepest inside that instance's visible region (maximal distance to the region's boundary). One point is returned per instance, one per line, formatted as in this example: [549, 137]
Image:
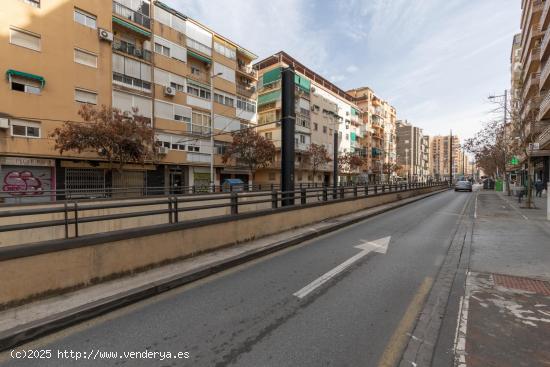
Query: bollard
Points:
[234, 203]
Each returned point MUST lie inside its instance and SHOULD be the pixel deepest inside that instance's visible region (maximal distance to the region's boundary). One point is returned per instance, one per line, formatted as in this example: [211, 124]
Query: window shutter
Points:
[25, 39]
[118, 63]
[132, 68]
[182, 111]
[164, 110]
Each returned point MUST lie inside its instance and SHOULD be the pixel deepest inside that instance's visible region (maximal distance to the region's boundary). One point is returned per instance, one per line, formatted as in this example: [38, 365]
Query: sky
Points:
[436, 61]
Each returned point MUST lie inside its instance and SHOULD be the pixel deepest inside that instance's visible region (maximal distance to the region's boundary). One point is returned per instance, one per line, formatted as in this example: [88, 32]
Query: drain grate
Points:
[526, 284]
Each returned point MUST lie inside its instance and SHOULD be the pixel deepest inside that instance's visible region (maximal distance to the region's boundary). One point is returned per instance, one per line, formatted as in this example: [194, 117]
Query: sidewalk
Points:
[504, 317]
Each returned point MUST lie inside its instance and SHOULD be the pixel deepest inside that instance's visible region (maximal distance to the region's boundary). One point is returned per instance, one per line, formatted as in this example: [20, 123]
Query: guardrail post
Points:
[234, 203]
[274, 198]
[75, 219]
[303, 196]
[342, 192]
[366, 190]
[355, 190]
[375, 189]
[383, 188]
[170, 209]
[334, 194]
[193, 189]
[176, 214]
[325, 193]
[66, 213]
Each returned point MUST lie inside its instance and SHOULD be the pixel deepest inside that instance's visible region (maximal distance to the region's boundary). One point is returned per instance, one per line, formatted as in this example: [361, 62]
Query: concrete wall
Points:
[80, 262]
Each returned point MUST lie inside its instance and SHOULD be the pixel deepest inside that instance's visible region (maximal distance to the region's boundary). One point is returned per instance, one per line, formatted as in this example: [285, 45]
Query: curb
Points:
[25, 333]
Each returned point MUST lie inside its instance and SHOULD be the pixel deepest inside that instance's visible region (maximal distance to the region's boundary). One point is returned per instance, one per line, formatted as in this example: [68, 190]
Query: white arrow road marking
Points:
[380, 245]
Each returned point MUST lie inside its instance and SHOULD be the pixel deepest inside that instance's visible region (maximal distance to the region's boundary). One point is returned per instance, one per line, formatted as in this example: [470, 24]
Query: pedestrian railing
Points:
[71, 215]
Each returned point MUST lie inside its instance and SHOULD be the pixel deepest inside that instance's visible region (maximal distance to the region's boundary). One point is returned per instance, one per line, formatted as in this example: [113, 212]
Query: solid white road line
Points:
[380, 245]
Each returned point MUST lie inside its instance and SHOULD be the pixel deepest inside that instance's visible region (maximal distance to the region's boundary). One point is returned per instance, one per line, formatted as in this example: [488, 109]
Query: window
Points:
[302, 139]
[26, 85]
[84, 96]
[171, 111]
[25, 39]
[85, 58]
[161, 49]
[225, 51]
[246, 105]
[198, 91]
[315, 126]
[85, 19]
[178, 87]
[325, 130]
[269, 136]
[201, 123]
[27, 129]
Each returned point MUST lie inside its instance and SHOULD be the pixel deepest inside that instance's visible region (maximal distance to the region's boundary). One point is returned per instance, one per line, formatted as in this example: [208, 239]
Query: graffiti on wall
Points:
[22, 183]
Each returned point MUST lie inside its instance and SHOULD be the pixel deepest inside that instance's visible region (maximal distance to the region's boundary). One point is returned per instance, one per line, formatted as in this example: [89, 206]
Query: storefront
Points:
[27, 180]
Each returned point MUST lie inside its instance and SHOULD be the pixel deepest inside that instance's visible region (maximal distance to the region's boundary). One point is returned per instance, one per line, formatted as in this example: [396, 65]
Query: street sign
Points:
[534, 146]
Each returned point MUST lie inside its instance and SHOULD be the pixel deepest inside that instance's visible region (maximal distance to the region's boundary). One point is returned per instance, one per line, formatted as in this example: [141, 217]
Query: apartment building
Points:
[379, 124]
[60, 54]
[440, 151]
[322, 109]
[534, 102]
[412, 151]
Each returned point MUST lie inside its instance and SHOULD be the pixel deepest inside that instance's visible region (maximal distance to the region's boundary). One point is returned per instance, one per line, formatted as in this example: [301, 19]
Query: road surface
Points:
[345, 299]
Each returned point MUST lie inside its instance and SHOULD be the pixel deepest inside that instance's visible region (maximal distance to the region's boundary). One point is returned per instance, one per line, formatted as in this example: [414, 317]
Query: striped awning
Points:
[131, 27]
[22, 74]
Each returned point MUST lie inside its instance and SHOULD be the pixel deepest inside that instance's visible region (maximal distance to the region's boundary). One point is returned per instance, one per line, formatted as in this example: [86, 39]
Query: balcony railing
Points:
[248, 70]
[131, 49]
[132, 15]
[534, 55]
[544, 75]
[247, 91]
[131, 82]
[531, 105]
[201, 47]
[544, 106]
[532, 81]
[544, 17]
[544, 137]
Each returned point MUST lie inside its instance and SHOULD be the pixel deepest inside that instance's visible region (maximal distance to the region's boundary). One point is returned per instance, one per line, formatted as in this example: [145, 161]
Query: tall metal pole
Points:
[451, 158]
[506, 175]
[212, 178]
[287, 135]
[335, 158]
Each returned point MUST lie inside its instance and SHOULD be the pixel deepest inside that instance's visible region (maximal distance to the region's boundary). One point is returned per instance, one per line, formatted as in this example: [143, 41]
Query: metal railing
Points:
[175, 207]
[132, 15]
[131, 49]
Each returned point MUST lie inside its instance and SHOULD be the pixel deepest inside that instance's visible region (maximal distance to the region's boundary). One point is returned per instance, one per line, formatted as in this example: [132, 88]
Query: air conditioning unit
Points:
[169, 91]
[4, 123]
[138, 53]
[105, 35]
[312, 89]
[162, 150]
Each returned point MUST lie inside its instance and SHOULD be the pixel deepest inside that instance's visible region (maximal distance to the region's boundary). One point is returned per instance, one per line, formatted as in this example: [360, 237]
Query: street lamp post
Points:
[212, 178]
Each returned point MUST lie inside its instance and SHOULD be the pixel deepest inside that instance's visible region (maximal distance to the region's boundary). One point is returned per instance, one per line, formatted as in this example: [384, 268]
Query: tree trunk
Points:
[529, 185]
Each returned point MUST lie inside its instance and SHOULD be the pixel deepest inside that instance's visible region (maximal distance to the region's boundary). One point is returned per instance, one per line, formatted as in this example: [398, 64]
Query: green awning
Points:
[302, 83]
[131, 27]
[198, 84]
[353, 137]
[354, 112]
[269, 97]
[200, 57]
[271, 76]
[39, 78]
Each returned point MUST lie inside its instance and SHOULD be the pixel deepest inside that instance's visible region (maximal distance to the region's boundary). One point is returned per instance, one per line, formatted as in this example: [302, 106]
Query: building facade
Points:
[412, 152]
[322, 110]
[61, 54]
[533, 104]
[440, 152]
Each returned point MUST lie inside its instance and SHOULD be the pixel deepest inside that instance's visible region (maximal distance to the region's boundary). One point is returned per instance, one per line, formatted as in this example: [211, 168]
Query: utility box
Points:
[498, 185]
[233, 184]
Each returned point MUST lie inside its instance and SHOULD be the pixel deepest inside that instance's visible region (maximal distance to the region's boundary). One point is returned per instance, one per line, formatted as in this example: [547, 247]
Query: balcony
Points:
[132, 15]
[248, 71]
[533, 60]
[544, 138]
[544, 110]
[545, 50]
[534, 33]
[531, 85]
[131, 82]
[545, 73]
[544, 18]
[530, 108]
[247, 91]
[131, 49]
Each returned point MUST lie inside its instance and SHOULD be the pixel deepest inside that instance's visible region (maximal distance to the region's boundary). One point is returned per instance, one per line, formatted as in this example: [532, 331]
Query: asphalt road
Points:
[249, 315]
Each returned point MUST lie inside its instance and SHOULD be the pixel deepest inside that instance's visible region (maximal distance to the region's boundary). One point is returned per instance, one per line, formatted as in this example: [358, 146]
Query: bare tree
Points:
[118, 137]
[318, 157]
[251, 149]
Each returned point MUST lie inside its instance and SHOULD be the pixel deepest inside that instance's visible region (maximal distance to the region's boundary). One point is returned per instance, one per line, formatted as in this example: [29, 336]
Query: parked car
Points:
[463, 185]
